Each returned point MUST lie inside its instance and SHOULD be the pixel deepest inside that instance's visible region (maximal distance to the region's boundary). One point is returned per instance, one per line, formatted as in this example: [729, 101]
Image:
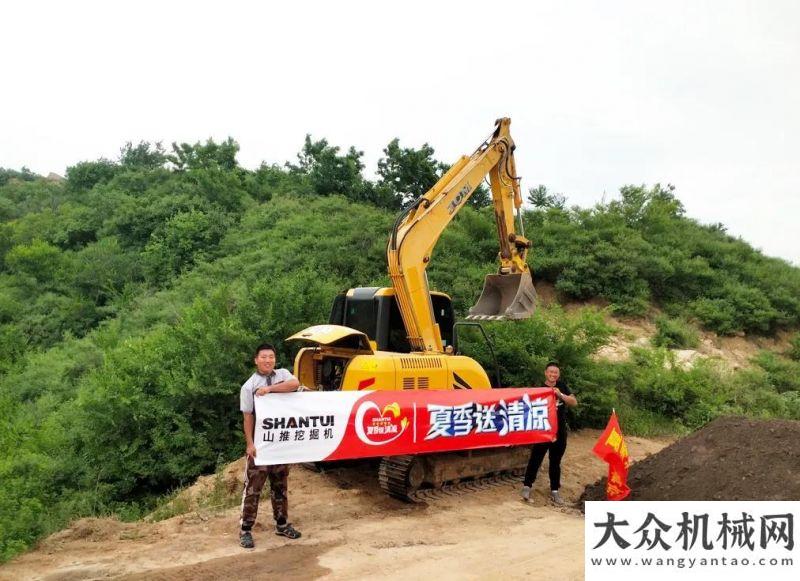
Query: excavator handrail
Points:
[488, 343]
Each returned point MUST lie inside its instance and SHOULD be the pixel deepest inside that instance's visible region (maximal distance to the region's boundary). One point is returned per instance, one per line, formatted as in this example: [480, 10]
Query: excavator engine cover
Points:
[505, 296]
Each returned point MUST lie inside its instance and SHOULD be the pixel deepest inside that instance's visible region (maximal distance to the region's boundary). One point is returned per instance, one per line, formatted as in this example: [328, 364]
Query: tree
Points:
[210, 155]
[143, 156]
[267, 179]
[85, 175]
[480, 197]
[539, 197]
[329, 172]
[101, 270]
[408, 173]
[8, 210]
[794, 347]
[640, 205]
[39, 260]
[24, 174]
[183, 240]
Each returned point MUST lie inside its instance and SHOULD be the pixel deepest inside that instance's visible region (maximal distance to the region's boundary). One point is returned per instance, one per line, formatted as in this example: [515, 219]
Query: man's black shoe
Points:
[288, 531]
[246, 540]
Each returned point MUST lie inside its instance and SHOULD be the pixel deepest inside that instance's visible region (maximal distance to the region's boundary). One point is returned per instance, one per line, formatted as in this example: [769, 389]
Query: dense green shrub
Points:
[675, 333]
[38, 263]
[523, 348]
[6, 175]
[794, 347]
[87, 174]
[782, 374]
[654, 382]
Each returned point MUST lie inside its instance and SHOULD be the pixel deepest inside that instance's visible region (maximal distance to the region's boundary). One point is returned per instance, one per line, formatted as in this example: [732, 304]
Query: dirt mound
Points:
[220, 490]
[91, 529]
[731, 458]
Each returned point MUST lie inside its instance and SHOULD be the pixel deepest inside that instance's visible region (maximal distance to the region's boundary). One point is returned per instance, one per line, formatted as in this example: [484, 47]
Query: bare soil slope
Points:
[350, 530]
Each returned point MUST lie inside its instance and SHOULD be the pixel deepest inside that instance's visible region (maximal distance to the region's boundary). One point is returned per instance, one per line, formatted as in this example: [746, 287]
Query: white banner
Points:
[287, 433]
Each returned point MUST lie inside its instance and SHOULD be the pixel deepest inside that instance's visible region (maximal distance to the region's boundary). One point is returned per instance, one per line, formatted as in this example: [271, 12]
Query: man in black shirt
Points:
[564, 398]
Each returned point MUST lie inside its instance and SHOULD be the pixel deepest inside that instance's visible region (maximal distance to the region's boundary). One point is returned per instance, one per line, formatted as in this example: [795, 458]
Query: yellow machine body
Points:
[343, 359]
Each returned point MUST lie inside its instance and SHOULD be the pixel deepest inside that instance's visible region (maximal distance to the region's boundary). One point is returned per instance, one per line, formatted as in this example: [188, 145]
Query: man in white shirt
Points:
[265, 380]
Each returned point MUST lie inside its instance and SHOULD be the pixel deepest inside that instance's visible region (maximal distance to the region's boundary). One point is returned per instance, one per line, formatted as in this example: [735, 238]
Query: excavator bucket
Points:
[505, 296]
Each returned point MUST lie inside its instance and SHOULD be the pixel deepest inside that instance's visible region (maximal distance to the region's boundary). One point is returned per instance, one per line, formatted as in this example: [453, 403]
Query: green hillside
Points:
[132, 293]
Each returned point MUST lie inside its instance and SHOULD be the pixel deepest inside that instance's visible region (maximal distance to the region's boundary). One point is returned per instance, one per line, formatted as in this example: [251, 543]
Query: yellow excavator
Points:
[406, 336]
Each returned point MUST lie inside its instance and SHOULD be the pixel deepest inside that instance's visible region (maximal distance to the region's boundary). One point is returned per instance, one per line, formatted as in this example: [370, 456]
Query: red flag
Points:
[611, 448]
[616, 484]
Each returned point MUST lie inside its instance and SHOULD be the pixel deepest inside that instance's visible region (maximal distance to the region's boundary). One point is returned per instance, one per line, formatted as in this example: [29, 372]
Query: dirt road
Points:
[350, 531]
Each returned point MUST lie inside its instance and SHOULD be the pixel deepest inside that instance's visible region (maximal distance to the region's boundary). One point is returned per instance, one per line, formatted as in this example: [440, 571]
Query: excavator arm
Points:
[507, 294]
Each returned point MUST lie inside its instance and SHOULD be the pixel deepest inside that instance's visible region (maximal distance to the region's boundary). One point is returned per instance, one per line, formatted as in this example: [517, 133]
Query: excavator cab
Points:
[505, 296]
[375, 312]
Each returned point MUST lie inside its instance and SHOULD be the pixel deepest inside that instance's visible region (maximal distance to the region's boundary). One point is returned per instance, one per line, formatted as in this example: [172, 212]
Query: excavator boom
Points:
[507, 294]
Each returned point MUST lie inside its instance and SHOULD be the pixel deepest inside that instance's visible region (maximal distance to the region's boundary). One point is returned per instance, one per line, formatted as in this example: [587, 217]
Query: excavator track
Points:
[398, 476]
[429, 476]
[467, 487]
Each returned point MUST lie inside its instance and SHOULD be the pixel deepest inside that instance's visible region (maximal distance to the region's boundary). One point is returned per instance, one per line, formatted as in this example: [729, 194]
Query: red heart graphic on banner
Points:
[375, 426]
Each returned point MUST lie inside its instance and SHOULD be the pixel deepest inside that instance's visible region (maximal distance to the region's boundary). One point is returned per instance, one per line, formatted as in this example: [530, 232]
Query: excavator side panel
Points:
[466, 373]
[304, 366]
[375, 371]
[415, 371]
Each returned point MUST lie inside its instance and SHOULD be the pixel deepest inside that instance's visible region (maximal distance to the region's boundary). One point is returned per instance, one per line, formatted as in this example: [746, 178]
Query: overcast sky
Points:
[703, 95]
